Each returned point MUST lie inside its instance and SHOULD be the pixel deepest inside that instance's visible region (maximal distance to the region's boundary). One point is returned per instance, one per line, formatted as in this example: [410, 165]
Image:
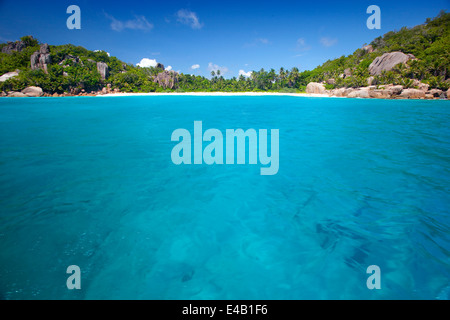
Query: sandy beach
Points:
[217, 94]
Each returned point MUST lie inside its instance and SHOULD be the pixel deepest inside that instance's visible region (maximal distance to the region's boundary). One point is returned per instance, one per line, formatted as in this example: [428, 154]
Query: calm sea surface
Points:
[90, 182]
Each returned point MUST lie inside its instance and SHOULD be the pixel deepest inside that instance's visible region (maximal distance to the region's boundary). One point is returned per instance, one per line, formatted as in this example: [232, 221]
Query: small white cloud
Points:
[215, 68]
[328, 42]
[147, 63]
[169, 68]
[257, 42]
[262, 40]
[300, 41]
[195, 66]
[245, 74]
[138, 23]
[189, 18]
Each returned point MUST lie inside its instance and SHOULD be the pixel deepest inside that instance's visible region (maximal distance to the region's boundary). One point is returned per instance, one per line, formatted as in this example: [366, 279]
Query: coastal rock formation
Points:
[359, 93]
[167, 79]
[412, 94]
[448, 94]
[435, 93]
[314, 87]
[9, 75]
[370, 80]
[41, 59]
[160, 66]
[388, 61]
[423, 86]
[103, 69]
[331, 81]
[17, 95]
[33, 92]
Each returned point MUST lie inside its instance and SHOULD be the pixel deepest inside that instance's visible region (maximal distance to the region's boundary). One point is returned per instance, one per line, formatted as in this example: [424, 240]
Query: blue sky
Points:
[230, 35]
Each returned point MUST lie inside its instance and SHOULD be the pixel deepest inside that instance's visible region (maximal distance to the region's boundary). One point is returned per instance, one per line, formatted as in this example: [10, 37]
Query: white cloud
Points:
[147, 63]
[195, 66]
[169, 68]
[215, 68]
[189, 18]
[300, 41]
[328, 42]
[245, 74]
[138, 23]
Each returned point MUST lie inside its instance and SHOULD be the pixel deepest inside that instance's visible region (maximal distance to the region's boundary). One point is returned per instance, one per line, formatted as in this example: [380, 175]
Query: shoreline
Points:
[215, 94]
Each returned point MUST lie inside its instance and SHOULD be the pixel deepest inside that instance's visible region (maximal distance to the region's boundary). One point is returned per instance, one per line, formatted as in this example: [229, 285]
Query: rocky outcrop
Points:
[9, 75]
[17, 95]
[435, 93]
[167, 79]
[314, 87]
[33, 92]
[74, 59]
[347, 73]
[103, 69]
[388, 61]
[41, 59]
[11, 47]
[368, 48]
[359, 93]
[412, 94]
[331, 81]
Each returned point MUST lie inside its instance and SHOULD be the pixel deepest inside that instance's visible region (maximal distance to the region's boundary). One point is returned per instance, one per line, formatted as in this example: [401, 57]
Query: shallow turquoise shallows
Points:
[90, 182]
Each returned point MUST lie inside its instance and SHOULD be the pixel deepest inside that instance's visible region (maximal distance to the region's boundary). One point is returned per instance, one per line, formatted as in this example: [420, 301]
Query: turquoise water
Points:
[90, 182]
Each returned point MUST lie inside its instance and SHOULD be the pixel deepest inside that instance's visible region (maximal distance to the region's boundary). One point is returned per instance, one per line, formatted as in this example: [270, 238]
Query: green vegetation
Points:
[74, 68]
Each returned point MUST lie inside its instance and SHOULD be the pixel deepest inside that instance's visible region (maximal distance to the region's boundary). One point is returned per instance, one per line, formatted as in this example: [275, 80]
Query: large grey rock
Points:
[412, 94]
[9, 75]
[167, 79]
[44, 49]
[380, 94]
[33, 91]
[41, 59]
[396, 89]
[17, 95]
[314, 87]
[360, 93]
[388, 61]
[103, 69]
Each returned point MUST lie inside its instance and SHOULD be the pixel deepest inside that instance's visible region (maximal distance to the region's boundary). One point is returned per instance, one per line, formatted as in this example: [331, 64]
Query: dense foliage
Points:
[74, 67]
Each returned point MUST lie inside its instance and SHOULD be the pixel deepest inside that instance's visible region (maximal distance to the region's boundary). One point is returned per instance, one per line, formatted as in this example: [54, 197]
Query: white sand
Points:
[154, 94]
